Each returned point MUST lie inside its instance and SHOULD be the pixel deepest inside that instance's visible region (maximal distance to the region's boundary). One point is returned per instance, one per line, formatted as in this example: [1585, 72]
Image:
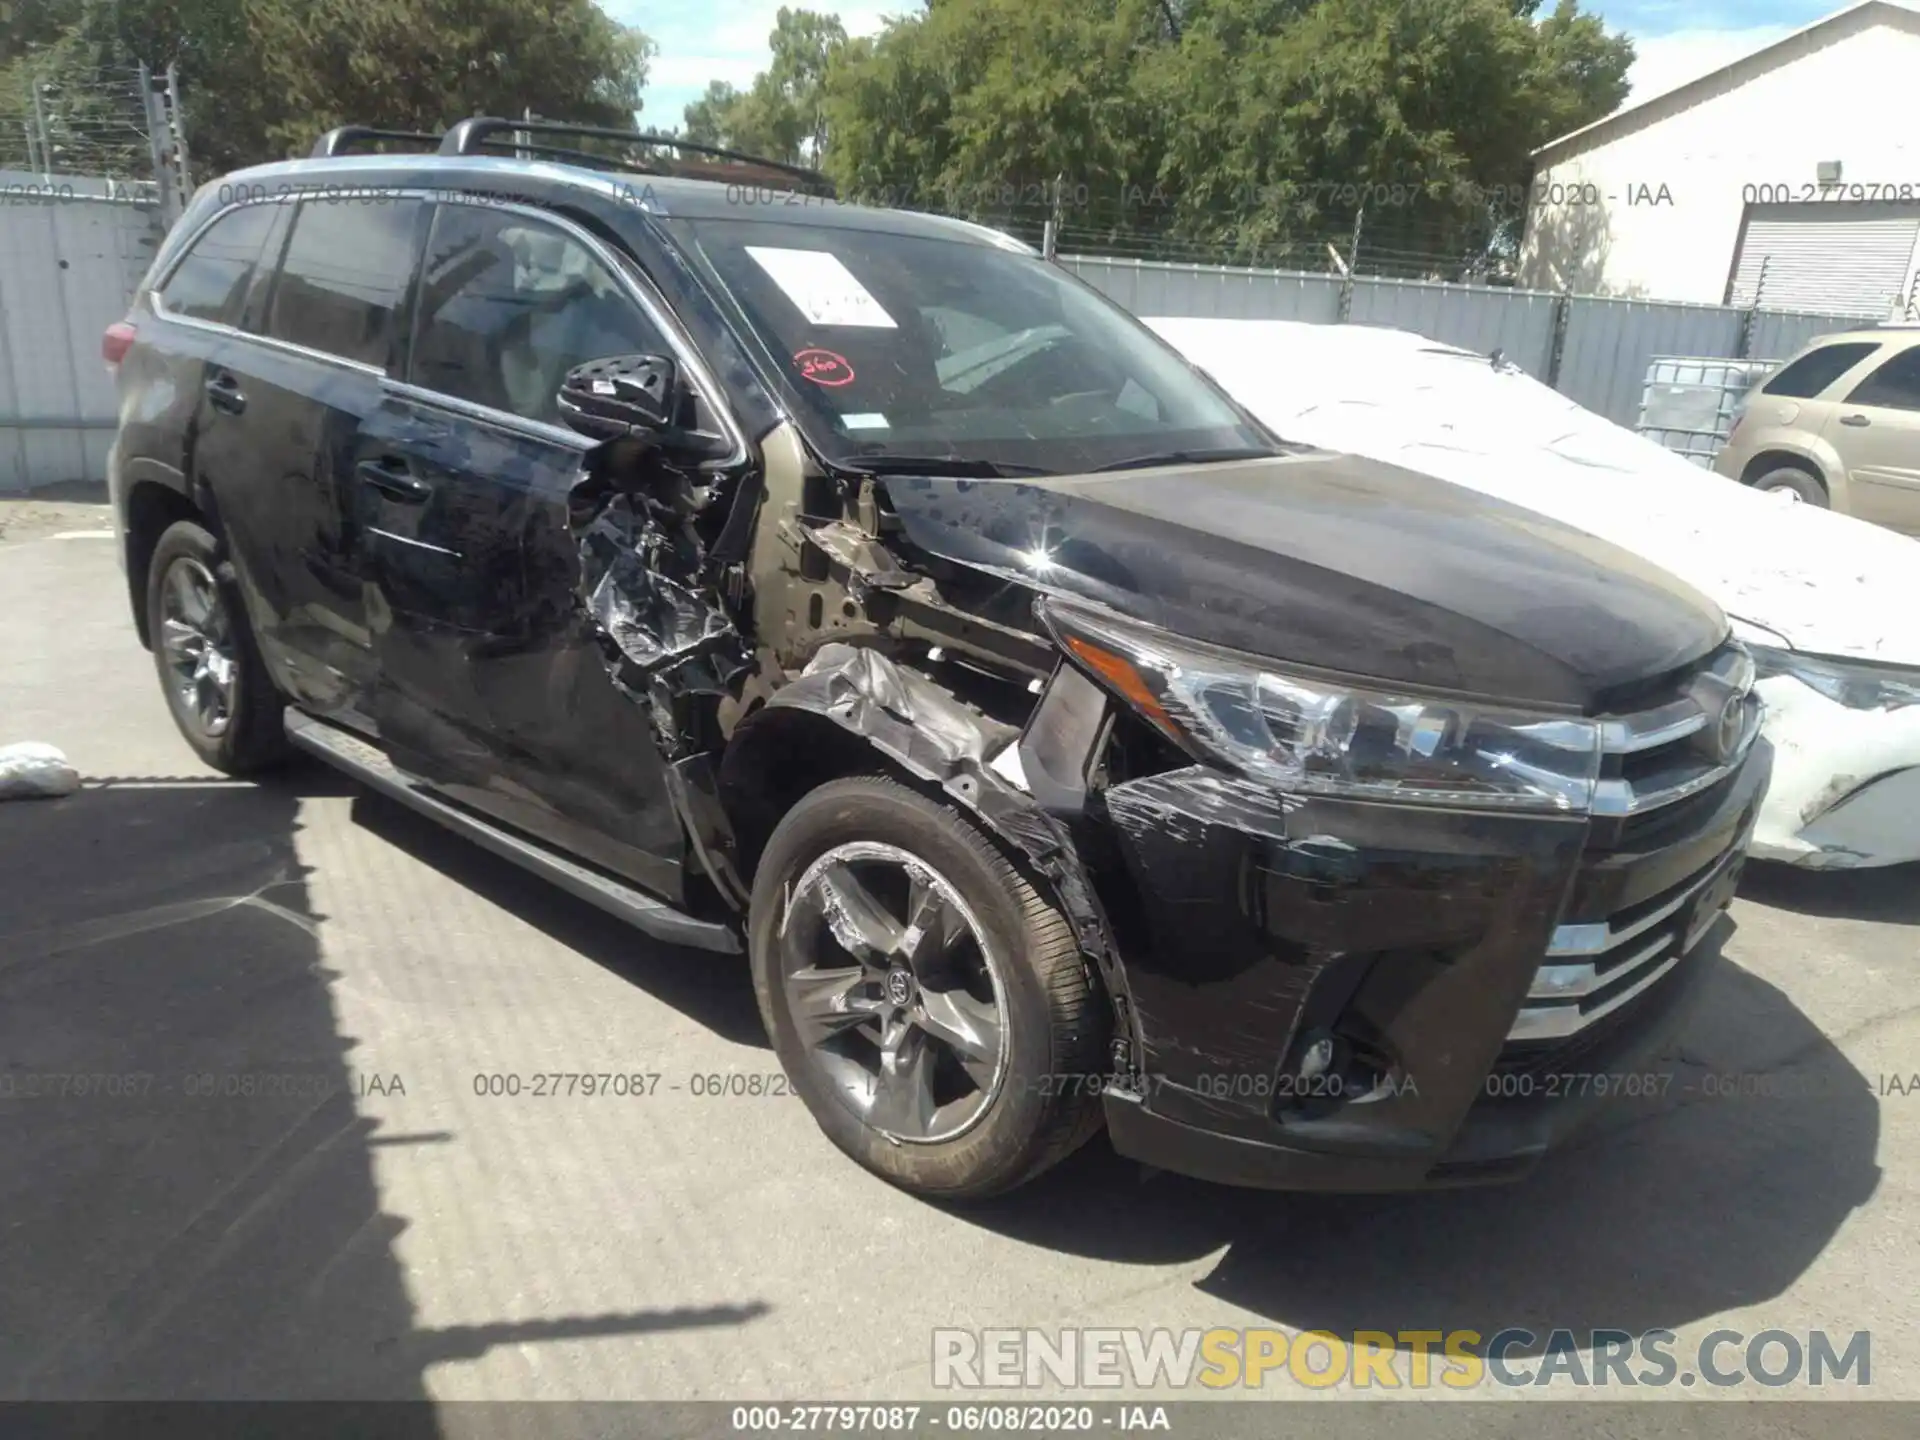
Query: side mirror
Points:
[620, 396]
[636, 397]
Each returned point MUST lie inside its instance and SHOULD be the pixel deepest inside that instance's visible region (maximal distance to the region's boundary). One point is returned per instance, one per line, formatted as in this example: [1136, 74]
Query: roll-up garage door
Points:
[1850, 258]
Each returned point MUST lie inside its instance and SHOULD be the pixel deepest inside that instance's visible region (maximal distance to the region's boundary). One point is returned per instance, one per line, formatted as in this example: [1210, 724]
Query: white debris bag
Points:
[33, 770]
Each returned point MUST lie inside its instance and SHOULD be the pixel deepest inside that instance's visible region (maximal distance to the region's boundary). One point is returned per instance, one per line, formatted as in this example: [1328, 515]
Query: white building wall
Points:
[1600, 223]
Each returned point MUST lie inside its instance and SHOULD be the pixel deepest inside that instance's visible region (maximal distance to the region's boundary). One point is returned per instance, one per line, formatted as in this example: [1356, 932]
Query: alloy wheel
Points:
[894, 991]
[197, 636]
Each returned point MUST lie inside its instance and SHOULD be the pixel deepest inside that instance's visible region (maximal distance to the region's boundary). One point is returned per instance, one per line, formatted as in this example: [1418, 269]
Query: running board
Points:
[366, 763]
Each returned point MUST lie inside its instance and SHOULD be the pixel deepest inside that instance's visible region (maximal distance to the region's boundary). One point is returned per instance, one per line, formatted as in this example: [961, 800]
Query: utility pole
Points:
[156, 153]
[1346, 271]
[1050, 234]
[40, 125]
[177, 130]
[166, 140]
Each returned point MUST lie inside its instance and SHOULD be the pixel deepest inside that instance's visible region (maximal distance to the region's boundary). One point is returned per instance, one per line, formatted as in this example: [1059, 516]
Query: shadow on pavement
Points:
[191, 1207]
[715, 991]
[1889, 894]
[1663, 1213]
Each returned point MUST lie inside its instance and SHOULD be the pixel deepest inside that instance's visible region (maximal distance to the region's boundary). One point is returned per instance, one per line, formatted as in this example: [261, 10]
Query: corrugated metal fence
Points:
[1592, 349]
[71, 252]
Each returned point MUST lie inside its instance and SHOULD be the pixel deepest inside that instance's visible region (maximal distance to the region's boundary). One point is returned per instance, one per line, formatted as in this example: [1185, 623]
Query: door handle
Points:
[224, 393]
[391, 479]
[1855, 420]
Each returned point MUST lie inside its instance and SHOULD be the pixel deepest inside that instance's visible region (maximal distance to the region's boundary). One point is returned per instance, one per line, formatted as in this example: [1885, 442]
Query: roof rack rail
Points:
[342, 138]
[477, 135]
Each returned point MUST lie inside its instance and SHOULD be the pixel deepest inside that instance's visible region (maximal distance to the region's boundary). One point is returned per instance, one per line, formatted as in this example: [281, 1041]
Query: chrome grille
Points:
[1592, 970]
[1653, 758]
[1688, 744]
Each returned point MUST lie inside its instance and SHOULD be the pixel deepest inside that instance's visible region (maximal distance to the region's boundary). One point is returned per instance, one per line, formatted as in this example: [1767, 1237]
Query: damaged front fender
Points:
[939, 740]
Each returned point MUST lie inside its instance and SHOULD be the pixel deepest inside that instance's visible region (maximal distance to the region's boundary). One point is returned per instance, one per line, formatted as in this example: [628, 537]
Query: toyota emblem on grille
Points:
[1723, 736]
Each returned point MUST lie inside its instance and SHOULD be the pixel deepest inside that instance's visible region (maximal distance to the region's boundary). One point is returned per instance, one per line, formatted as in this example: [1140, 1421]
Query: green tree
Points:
[260, 79]
[782, 115]
[709, 120]
[422, 64]
[1258, 126]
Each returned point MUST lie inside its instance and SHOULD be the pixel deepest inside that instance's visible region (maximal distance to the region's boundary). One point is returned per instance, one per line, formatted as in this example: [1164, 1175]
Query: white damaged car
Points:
[1829, 605]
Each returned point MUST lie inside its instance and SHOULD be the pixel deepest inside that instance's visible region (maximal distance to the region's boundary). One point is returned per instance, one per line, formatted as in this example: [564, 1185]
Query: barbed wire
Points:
[89, 121]
[1417, 241]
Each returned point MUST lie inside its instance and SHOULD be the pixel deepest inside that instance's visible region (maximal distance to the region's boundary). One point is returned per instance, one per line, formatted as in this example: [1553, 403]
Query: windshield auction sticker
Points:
[825, 291]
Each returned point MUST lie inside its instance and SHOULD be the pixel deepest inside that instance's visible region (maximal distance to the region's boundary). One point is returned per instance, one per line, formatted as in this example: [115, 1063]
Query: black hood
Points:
[1337, 562]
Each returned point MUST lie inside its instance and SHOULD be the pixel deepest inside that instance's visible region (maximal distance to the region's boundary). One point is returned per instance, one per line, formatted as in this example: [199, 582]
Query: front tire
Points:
[210, 669]
[929, 1005]
[1798, 483]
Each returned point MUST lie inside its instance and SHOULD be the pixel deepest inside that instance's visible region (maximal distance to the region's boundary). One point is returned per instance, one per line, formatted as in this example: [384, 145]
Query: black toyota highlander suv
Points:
[856, 589]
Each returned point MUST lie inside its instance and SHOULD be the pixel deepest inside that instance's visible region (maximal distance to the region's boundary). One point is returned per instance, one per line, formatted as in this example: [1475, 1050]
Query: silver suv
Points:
[1838, 426]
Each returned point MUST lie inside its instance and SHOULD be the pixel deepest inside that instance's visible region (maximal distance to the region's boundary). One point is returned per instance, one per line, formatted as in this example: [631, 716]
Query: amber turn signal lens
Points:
[1118, 672]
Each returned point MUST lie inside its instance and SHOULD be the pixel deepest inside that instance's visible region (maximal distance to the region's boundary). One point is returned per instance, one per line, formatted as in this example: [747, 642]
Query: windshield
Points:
[922, 348]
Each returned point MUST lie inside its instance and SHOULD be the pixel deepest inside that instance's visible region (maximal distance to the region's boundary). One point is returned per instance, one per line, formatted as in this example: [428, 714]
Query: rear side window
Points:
[346, 266]
[1895, 385]
[210, 282]
[1817, 369]
[509, 304]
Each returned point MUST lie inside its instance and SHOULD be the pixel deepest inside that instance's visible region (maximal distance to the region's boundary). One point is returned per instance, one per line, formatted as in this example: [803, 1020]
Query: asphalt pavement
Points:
[374, 1224]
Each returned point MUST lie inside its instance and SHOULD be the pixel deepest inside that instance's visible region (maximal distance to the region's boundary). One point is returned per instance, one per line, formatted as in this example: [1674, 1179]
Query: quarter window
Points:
[210, 282]
[1817, 369]
[1894, 386]
[509, 304]
[346, 267]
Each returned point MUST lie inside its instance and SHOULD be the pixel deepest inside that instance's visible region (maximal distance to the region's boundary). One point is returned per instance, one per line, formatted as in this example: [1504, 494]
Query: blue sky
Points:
[702, 40]
[1678, 40]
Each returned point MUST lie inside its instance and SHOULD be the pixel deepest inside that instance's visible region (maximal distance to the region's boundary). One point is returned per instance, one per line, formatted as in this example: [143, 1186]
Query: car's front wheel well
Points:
[779, 757]
[151, 507]
[1767, 461]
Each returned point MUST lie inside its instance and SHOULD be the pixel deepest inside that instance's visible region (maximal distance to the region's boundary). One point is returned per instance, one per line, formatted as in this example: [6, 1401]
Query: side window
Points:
[1895, 385]
[509, 304]
[1817, 369]
[210, 283]
[346, 267]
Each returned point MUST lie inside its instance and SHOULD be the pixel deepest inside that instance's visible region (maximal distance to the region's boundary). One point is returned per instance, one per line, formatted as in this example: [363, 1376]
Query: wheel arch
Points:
[1776, 458]
[856, 711]
[151, 506]
[779, 754]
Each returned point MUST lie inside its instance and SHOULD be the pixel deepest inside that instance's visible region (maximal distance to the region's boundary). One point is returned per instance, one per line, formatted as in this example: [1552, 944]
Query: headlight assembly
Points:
[1319, 735]
[1856, 684]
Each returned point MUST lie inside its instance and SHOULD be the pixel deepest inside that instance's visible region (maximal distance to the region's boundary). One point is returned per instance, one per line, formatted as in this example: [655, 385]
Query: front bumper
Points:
[1846, 784]
[1411, 942]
